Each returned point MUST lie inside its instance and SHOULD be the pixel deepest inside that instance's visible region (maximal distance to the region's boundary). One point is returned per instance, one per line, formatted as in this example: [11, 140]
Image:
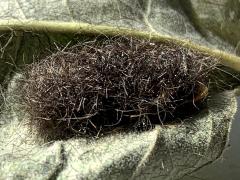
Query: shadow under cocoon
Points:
[113, 84]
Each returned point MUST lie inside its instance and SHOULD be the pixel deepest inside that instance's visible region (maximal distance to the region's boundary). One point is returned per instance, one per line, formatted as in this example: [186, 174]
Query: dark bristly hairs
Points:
[96, 87]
